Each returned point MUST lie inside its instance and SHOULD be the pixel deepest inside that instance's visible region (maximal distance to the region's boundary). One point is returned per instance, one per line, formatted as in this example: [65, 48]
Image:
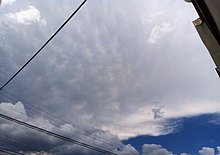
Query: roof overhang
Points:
[208, 26]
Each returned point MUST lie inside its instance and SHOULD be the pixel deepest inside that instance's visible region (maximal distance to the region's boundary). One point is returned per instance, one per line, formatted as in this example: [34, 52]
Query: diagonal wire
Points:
[8, 151]
[44, 45]
[11, 142]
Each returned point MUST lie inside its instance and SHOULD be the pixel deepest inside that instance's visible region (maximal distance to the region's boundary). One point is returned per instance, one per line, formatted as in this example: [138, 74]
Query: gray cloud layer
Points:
[110, 64]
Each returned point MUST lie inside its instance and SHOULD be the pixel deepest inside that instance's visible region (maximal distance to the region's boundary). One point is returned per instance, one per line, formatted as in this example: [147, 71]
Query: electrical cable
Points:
[57, 135]
[44, 45]
[8, 151]
[57, 130]
[85, 138]
[18, 145]
[53, 117]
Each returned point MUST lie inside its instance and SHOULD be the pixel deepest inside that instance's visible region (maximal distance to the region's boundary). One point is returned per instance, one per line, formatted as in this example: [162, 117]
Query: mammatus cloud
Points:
[27, 17]
[106, 75]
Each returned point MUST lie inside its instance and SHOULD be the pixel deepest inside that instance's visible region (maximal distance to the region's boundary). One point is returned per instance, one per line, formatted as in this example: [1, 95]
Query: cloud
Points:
[26, 140]
[105, 75]
[7, 2]
[153, 149]
[129, 150]
[27, 17]
[13, 110]
[218, 148]
[207, 151]
[159, 31]
[71, 149]
[39, 142]
[158, 113]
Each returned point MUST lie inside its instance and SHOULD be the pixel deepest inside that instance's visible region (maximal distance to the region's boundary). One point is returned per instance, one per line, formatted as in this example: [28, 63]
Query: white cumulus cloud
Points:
[218, 148]
[13, 110]
[27, 17]
[153, 149]
[207, 151]
[7, 2]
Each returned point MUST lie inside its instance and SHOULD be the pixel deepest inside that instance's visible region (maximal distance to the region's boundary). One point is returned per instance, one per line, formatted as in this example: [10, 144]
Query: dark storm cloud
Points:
[32, 141]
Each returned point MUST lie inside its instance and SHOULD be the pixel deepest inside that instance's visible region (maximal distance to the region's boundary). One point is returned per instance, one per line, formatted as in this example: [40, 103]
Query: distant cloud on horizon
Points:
[47, 144]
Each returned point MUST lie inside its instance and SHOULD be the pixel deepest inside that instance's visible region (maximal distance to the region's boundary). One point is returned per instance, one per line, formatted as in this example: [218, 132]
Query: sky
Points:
[117, 73]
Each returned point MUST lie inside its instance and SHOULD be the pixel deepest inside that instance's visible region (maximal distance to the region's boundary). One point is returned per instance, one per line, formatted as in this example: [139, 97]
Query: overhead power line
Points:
[44, 45]
[11, 143]
[12, 152]
[57, 121]
[57, 135]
